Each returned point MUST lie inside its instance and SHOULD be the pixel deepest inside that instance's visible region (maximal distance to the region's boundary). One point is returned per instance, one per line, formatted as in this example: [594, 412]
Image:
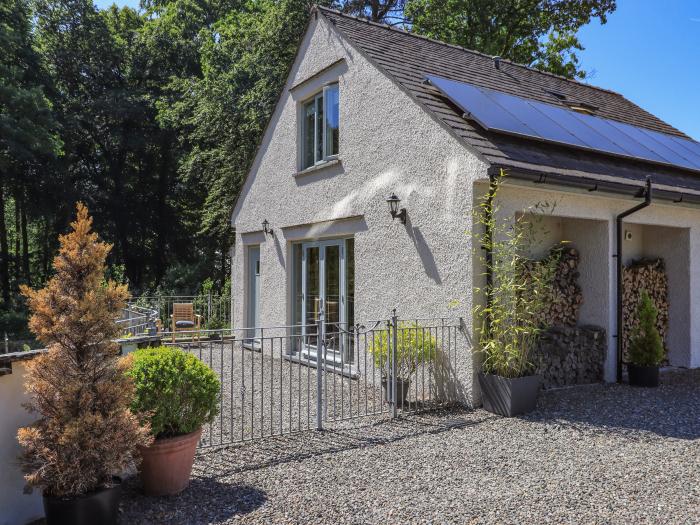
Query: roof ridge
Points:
[461, 48]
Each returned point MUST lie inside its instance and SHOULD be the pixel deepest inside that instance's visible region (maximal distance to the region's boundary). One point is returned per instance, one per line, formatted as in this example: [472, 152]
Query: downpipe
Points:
[489, 251]
[646, 193]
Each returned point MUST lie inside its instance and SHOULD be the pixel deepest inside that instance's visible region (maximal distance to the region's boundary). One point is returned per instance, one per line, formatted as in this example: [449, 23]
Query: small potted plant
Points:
[516, 297]
[176, 394]
[414, 347]
[86, 435]
[646, 349]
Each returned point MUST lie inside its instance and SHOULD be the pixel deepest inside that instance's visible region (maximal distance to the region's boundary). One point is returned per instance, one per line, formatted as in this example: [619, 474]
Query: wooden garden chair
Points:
[184, 319]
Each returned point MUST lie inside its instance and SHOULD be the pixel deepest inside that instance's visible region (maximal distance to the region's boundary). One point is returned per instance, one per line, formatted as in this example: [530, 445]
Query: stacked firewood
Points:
[567, 355]
[649, 275]
[565, 296]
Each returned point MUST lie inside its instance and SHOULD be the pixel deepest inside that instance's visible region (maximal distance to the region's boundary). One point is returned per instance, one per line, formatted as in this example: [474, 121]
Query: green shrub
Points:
[176, 392]
[646, 347]
[414, 345]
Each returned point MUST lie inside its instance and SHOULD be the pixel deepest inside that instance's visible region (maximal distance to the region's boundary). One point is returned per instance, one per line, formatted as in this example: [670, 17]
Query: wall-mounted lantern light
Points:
[396, 213]
[266, 227]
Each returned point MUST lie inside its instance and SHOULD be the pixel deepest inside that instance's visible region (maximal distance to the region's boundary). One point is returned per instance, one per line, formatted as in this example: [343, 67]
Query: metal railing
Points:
[214, 309]
[285, 379]
[137, 321]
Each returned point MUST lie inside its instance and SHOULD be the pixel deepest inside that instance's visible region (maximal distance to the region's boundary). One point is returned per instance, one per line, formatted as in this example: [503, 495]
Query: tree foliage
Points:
[538, 33]
[414, 347]
[86, 433]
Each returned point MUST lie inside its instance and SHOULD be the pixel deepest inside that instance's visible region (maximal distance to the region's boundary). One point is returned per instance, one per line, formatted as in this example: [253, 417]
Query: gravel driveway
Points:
[596, 454]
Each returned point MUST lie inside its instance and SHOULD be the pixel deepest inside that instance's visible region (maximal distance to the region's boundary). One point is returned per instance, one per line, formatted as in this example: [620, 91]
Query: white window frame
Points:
[306, 349]
[324, 144]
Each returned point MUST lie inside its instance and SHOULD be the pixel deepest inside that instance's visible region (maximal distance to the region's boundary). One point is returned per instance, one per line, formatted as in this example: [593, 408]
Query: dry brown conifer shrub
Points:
[86, 433]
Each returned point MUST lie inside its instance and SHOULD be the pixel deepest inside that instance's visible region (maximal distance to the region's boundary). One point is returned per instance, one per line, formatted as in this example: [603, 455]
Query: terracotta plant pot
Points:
[167, 464]
[100, 506]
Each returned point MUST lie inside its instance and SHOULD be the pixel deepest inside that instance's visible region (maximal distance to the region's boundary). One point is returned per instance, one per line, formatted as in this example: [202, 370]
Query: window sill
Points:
[318, 167]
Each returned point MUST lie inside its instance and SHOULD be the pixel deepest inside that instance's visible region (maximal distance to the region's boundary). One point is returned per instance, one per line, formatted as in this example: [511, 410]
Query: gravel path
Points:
[597, 454]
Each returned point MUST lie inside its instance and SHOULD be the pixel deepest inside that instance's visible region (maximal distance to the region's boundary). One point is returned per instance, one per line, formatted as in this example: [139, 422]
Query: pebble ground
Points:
[608, 454]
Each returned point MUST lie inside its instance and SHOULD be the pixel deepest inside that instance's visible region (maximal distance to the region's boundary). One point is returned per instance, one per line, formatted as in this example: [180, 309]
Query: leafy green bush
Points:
[176, 392]
[414, 345]
[646, 347]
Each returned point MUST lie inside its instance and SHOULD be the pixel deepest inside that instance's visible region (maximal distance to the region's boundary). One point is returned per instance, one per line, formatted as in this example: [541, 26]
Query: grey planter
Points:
[509, 397]
[402, 386]
[646, 376]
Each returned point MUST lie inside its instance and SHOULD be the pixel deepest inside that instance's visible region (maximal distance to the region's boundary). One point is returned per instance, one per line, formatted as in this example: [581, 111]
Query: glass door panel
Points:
[322, 283]
[312, 292]
[332, 294]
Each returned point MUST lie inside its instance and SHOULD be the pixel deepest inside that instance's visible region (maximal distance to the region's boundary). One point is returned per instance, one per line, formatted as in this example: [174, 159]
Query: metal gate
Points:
[285, 379]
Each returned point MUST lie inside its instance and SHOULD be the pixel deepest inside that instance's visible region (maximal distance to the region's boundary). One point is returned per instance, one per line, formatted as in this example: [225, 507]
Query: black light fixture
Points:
[266, 227]
[396, 213]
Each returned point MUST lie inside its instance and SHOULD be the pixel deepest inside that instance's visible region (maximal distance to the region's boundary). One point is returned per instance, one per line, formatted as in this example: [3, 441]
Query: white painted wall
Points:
[16, 508]
[387, 144]
[673, 246]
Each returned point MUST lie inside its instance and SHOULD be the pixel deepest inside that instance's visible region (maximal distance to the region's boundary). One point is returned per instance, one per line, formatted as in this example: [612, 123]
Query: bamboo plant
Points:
[510, 319]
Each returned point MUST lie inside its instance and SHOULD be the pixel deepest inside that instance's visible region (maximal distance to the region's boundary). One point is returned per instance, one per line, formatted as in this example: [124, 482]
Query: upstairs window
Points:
[320, 127]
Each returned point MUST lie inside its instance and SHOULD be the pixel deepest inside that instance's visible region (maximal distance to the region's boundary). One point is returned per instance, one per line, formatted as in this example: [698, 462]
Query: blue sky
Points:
[649, 51]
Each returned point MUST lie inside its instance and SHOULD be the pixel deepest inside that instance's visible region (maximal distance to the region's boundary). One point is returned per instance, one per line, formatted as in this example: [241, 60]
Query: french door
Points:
[324, 288]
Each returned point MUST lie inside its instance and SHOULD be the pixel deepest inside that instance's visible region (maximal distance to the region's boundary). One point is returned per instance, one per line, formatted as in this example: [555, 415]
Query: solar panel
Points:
[485, 112]
[688, 146]
[659, 146]
[670, 142]
[578, 127]
[501, 112]
[529, 115]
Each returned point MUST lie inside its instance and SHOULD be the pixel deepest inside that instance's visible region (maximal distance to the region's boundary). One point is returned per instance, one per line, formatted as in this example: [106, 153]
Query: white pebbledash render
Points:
[332, 200]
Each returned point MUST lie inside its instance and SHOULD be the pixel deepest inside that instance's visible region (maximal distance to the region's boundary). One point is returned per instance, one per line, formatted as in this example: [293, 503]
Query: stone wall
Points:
[569, 355]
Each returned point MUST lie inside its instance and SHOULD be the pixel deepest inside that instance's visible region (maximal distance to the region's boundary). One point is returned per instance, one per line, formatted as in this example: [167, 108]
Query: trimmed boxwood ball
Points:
[176, 392]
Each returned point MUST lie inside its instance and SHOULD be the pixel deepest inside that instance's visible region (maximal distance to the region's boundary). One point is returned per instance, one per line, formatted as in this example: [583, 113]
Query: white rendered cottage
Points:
[369, 111]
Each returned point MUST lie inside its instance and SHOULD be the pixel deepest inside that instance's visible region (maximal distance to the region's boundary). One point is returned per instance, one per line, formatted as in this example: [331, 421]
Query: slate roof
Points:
[407, 58]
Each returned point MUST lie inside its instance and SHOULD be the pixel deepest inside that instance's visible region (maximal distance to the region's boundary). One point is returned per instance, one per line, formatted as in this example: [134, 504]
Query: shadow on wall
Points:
[424, 252]
[448, 386]
[278, 250]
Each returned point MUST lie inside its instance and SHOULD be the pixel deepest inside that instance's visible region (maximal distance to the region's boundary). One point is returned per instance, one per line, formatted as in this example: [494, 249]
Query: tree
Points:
[27, 126]
[387, 11]
[538, 33]
[28, 130]
[86, 433]
[245, 59]
[646, 346]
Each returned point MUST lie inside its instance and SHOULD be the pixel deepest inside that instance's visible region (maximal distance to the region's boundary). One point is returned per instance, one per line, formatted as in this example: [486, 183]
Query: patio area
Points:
[593, 454]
